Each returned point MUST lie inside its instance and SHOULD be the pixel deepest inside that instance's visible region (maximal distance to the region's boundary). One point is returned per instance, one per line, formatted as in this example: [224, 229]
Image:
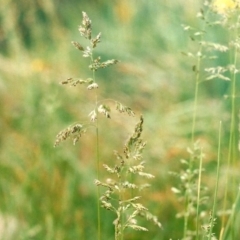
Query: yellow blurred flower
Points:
[38, 65]
[124, 10]
[221, 6]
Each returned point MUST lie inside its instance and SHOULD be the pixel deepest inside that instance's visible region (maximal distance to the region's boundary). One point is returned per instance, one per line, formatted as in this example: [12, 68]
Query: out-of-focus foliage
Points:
[48, 193]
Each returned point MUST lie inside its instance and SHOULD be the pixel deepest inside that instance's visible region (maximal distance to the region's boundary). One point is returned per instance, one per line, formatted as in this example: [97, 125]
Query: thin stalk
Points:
[195, 99]
[120, 235]
[232, 137]
[187, 203]
[217, 181]
[186, 217]
[197, 78]
[198, 192]
[228, 233]
[98, 177]
[122, 221]
[97, 158]
[196, 91]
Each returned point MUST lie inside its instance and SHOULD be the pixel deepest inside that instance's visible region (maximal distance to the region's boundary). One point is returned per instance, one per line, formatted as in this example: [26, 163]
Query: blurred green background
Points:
[48, 193]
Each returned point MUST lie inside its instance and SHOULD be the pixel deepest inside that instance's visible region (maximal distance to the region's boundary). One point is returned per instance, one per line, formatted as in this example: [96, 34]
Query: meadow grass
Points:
[48, 193]
[116, 199]
[212, 16]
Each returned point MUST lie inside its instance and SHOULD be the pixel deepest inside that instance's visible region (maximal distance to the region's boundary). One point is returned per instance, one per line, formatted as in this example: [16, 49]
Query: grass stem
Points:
[97, 156]
[198, 193]
[229, 229]
[98, 188]
[217, 181]
[232, 138]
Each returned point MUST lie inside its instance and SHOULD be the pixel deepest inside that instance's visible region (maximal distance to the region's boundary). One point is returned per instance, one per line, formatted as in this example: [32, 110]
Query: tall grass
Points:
[225, 18]
[155, 79]
[125, 208]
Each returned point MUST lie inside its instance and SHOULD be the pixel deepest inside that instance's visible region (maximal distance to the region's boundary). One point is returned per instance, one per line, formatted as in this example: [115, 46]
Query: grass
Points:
[153, 77]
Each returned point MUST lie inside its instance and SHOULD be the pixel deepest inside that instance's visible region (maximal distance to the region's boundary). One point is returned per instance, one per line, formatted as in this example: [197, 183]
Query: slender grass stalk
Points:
[197, 69]
[196, 97]
[97, 155]
[122, 216]
[232, 138]
[221, 234]
[198, 193]
[217, 181]
[232, 150]
[119, 231]
[98, 175]
[118, 189]
[75, 131]
[228, 233]
[186, 218]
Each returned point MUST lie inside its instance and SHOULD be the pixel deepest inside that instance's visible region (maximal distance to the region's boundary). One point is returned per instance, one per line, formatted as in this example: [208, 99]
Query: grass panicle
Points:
[192, 192]
[208, 54]
[182, 99]
[130, 164]
[123, 189]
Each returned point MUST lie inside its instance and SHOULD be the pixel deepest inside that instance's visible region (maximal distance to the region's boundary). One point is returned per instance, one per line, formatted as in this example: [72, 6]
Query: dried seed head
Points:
[104, 110]
[86, 20]
[124, 109]
[147, 175]
[78, 46]
[96, 40]
[92, 86]
[108, 63]
[109, 169]
[127, 184]
[97, 182]
[85, 29]
[137, 228]
[74, 131]
[87, 52]
[75, 81]
[136, 135]
[93, 116]
[107, 205]
[139, 207]
[137, 168]
[97, 64]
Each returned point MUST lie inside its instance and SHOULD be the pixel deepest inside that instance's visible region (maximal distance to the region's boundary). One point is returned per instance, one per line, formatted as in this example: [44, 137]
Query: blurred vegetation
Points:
[48, 193]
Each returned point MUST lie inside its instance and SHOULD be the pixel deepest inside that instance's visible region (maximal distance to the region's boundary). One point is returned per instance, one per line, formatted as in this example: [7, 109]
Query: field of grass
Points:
[48, 192]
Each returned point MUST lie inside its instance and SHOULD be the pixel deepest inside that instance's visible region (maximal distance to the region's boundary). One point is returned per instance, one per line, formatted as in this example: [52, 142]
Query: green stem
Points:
[197, 77]
[195, 100]
[98, 177]
[229, 233]
[196, 91]
[198, 192]
[186, 218]
[121, 198]
[97, 157]
[232, 137]
[122, 221]
[217, 181]
[120, 229]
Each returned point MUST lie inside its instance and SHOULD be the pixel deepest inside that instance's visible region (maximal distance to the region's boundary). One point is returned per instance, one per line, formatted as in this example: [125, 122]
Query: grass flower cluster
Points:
[101, 180]
[121, 189]
[225, 16]
[123, 192]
